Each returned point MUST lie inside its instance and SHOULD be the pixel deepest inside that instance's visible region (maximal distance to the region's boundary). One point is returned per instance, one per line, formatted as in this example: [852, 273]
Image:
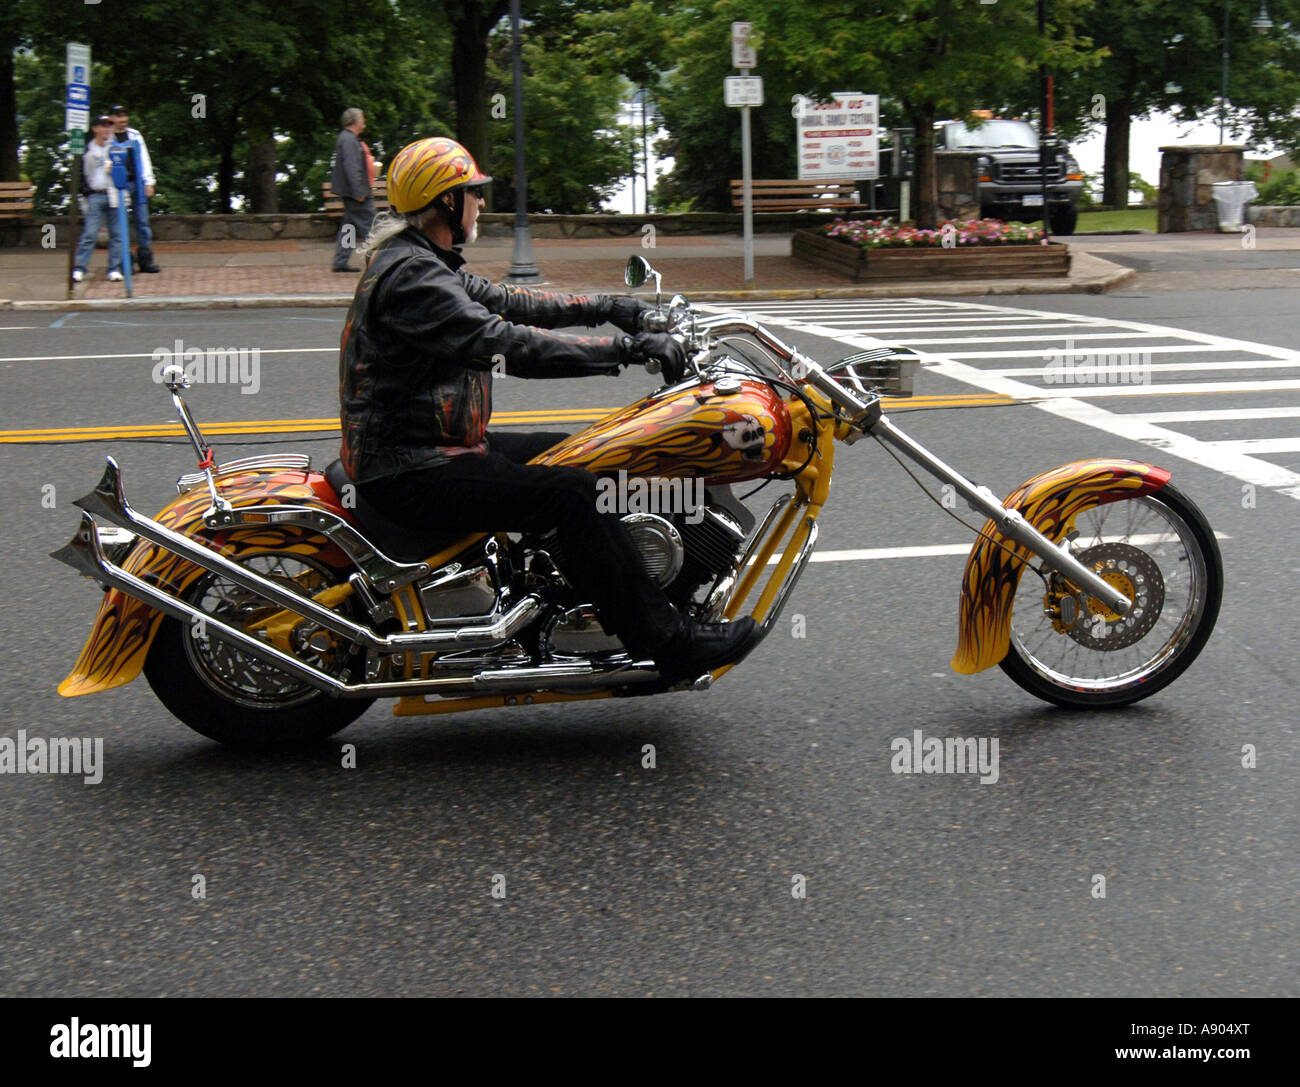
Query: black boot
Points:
[144, 257]
[702, 647]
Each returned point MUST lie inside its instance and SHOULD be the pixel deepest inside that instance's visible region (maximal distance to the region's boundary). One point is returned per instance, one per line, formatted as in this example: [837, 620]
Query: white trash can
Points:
[1230, 200]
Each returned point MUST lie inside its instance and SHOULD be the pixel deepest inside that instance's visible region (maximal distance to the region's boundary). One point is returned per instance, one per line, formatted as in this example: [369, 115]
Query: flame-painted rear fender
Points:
[124, 627]
[1050, 502]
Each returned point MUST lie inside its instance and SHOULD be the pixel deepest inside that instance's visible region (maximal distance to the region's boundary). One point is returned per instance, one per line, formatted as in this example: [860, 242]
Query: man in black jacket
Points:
[418, 350]
[351, 181]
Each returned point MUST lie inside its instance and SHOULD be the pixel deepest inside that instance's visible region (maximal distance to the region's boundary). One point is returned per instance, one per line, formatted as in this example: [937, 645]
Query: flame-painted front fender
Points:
[1050, 502]
[125, 627]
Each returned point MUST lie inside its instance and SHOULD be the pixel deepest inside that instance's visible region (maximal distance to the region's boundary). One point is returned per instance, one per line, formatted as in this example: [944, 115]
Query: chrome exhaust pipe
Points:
[109, 501]
[566, 676]
[85, 554]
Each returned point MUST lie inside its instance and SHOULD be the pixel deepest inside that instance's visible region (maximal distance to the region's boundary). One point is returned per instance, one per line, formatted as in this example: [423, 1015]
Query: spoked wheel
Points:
[1068, 648]
[230, 695]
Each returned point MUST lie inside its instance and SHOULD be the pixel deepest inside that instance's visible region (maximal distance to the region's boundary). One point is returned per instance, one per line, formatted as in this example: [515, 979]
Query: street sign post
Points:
[742, 53]
[744, 92]
[76, 122]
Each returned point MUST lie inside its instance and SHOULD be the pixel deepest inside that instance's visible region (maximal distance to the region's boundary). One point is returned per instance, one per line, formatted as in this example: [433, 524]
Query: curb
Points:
[1093, 284]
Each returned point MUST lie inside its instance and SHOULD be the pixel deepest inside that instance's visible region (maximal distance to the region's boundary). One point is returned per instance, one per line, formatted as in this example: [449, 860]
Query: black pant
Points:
[498, 492]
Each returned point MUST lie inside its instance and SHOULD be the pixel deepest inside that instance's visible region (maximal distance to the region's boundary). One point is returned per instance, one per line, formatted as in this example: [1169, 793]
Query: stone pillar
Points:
[957, 179]
[1187, 176]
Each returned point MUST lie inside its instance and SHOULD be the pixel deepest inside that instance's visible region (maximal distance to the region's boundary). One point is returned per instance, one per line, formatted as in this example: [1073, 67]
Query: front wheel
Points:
[1069, 649]
[233, 697]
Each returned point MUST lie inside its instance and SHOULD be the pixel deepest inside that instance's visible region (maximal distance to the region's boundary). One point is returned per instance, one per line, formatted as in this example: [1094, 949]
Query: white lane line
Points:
[16, 328]
[1260, 445]
[1154, 367]
[1173, 349]
[1223, 342]
[1216, 415]
[1071, 405]
[1065, 406]
[1067, 338]
[1168, 388]
[925, 551]
[943, 324]
[168, 349]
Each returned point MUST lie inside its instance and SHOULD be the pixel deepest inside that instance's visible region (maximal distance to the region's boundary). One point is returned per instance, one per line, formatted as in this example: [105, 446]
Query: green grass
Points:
[1135, 219]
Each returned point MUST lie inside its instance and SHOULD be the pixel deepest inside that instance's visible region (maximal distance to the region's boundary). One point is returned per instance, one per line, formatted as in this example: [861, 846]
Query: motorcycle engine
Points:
[683, 552]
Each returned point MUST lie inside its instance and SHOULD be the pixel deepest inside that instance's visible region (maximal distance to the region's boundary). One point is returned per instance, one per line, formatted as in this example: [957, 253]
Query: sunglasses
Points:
[475, 190]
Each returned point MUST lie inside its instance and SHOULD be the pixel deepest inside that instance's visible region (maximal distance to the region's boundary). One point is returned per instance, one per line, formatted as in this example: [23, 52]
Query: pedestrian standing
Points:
[101, 203]
[140, 184]
[352, 179]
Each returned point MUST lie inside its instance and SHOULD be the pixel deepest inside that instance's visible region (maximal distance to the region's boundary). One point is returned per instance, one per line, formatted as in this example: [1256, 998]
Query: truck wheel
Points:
[1064, 221]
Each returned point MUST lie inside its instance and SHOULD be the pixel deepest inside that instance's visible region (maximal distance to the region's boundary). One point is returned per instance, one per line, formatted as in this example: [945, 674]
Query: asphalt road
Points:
[675, 880]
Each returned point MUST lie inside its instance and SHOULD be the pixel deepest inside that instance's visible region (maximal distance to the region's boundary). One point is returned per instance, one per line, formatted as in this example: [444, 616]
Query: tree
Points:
[225, 93]
[1165, 56]
[937, 58]
[471, 21]
[577, 152]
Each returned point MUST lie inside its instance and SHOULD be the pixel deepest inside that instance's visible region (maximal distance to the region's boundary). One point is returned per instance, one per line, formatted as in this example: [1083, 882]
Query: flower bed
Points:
[887, 234]
[865, 249]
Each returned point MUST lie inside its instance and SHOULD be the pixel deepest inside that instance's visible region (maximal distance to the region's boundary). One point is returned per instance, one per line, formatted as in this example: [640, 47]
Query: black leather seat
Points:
[394, 540]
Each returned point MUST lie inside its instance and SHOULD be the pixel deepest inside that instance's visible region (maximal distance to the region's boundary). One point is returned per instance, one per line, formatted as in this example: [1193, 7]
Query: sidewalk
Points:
[297, 272]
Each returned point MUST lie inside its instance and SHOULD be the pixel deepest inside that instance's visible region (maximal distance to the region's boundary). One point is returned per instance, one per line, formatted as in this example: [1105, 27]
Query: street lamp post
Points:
[522, 268]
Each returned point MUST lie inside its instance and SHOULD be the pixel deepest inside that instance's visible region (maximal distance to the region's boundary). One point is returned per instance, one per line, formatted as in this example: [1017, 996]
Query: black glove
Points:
[657, 345]
[626, 313]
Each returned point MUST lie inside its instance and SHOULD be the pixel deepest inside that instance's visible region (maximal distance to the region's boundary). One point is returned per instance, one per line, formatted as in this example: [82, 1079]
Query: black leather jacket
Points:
[421, 341]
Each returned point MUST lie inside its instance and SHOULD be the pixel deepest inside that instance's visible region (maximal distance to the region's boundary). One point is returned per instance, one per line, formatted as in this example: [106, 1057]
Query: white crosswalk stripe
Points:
[1083, 359]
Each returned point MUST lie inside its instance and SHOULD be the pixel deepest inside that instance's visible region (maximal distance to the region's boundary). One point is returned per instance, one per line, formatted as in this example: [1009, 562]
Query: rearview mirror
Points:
[638, 271]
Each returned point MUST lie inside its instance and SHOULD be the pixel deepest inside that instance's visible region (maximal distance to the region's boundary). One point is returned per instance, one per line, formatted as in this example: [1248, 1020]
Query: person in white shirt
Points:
[101, 203]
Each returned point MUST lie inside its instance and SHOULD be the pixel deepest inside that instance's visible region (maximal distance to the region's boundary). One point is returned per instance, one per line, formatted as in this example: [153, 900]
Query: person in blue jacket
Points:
[140, 184]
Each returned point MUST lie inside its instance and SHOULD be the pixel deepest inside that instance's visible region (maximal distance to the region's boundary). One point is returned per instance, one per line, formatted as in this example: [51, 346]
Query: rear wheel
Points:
[230, 695]
[1068, 648]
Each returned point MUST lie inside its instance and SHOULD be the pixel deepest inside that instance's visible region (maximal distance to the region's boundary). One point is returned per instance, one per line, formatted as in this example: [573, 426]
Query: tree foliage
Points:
[242, 112]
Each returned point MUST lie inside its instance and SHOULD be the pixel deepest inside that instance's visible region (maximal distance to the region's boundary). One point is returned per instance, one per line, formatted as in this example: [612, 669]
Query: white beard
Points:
[472, 236]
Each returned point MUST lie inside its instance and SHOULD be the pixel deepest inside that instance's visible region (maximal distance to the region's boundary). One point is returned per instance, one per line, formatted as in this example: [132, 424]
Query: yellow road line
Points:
[330, 425]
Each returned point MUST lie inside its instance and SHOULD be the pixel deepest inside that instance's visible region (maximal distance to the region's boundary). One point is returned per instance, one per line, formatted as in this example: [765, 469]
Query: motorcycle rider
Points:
[419, 348]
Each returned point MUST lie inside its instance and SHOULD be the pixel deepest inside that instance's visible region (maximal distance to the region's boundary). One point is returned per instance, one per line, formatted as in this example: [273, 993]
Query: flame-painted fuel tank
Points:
[686, 432]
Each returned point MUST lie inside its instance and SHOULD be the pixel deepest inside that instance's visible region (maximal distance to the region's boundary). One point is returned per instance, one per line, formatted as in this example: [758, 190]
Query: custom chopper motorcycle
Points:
[269, 604]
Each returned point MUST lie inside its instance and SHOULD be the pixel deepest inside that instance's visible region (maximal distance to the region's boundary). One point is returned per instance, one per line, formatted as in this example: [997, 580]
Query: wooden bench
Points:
[16, 203]
[789, 194]
[334, 204]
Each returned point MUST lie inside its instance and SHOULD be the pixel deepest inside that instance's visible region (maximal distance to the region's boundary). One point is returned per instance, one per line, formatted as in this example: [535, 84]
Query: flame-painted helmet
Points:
[422, 171]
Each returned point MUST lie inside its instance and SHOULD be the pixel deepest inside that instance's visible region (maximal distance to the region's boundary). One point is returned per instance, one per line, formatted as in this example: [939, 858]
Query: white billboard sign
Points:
[743, 90]
[839, 140]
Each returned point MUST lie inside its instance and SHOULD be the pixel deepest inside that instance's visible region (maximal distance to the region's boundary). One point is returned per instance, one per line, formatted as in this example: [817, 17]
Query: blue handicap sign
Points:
[79, 74]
